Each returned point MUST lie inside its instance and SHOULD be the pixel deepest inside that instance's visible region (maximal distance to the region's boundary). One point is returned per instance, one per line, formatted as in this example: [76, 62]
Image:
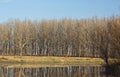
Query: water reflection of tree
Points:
[112, 70]
[21, 73]
[1, 73]
[69, 71]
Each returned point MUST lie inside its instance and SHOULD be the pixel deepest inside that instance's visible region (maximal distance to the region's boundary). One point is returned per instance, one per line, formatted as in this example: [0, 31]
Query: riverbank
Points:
[47, 61]
[50, 60]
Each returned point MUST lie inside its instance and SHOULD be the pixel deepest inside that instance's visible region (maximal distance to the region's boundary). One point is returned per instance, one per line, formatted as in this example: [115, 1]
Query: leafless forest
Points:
[93, 37]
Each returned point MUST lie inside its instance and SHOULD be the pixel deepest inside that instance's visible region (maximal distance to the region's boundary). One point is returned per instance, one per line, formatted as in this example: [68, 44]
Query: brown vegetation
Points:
[66, 37]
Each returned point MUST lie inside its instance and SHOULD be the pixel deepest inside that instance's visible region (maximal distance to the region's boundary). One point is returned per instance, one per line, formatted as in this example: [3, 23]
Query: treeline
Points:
[66, 37]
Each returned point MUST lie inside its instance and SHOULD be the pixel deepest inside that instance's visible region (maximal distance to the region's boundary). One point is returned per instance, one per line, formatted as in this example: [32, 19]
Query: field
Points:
[50, 59]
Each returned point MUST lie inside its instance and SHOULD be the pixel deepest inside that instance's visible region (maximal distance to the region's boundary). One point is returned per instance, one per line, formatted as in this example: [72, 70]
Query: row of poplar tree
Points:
[92, 37]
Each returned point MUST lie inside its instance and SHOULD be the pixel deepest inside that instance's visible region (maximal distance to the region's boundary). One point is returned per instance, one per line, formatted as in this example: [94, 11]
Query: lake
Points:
[57, 71]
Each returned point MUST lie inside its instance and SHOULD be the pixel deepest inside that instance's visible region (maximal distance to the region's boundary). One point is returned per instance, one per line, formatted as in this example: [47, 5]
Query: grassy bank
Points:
[50, 59]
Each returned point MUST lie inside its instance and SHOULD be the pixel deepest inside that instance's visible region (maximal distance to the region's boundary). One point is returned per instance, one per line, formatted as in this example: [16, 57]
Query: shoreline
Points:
[49, 60]
[34, 65]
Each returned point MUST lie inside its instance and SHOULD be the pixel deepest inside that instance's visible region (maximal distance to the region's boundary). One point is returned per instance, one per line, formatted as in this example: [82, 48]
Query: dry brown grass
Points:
[50, 59]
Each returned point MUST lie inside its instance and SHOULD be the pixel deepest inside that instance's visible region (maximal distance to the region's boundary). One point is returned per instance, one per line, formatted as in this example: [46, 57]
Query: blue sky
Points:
[50, 9]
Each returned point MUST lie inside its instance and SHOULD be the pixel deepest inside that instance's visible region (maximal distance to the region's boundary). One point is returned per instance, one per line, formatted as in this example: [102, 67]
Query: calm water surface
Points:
[66, 71]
